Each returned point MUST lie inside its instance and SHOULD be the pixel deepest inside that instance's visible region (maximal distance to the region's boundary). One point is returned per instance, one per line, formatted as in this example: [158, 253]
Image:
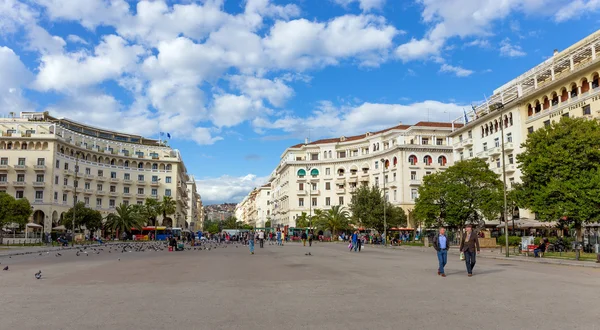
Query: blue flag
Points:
[169, 135]
[465, 114]
[474, 111]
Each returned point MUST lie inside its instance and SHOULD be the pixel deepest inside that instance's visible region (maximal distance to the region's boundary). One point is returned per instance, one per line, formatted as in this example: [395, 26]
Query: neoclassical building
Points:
[565, 85]
[55, 161]
[324, 173]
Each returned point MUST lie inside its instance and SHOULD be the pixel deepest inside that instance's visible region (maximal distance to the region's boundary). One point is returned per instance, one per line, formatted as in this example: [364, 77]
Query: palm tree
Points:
[124, 219]
[167, 206]
[302, 220]
[150, 211]
[334, 219]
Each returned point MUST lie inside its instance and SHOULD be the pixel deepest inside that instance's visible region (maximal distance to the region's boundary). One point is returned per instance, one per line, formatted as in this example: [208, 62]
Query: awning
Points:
[34, 225]
[528, 223]
[61, 227]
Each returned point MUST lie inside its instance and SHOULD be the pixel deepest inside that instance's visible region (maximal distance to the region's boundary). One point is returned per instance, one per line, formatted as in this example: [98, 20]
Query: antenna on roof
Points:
[428, 114]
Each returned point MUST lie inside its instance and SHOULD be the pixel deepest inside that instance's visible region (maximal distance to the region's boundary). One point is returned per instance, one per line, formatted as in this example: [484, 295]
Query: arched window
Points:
[395, 161]
[505, 121]
[564, 96]
[427, 160]
[554, 99]
[324, 154]
[386, 163]
[112, 162]
[329, 153]
[510, 119]
[341, 172]
[442, 160]
[482, 131]
[301, 172]
[487, 130]
[574, 90]
[126, 164]
[314, 172]
[412, 159]
[374, 147]
[155, 166]
[529, 110]
[538, 107]
[546, 103]
[141, 165]
[24, 146]
[496, 125]
[595, 80]
[585, 86]
[169, 167]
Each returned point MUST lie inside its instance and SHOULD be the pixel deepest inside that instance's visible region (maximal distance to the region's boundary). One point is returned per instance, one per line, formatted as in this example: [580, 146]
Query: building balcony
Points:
[127, 181]
[39, 184]
[38, 201]
[101, 178]
[467, 142]
[113, 193]
[3, 183]
[510, 168]
[415, 182]
[3, 167]
[392, 184]
[127, 195]
[20, 167]
[301, 192]
[68, 172]
[88, 177]
[155, 183]
[114, 179]
[364, 178]
[141, 182]
[496, 151]
[100, 192]
[68, 188]
[140, 195]
[39, 168]
[340, 190]
[88, 191]
[509, 146]
[315, 192]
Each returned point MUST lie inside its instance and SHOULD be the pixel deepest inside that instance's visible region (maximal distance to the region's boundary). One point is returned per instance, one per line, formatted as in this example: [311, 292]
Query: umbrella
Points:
[61, 227]
[34, 225]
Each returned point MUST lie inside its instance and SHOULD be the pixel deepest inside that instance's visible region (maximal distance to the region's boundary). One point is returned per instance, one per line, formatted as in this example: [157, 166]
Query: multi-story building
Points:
[194, 217]
[54, 162]
[255, 208]
[324, 173]
[565, 85]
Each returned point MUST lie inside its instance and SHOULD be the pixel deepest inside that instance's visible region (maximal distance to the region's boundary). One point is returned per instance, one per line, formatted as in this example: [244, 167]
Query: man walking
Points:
[355, 240]
[310, 238]
[250, 237]
[261, 238]
[304, 237]
[468, 245]
[278, 237]
[440, 244]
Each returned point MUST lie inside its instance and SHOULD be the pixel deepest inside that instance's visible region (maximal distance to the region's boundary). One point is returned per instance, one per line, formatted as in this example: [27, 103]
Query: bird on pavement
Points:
[38, 275]
[5, 268]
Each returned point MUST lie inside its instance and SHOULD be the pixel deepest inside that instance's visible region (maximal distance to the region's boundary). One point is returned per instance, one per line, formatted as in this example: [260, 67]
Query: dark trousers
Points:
[310, 242]
[261, 242]
[470, 261]
[442, 259]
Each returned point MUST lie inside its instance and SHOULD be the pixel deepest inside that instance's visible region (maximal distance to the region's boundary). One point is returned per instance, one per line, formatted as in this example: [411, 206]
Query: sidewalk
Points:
[24, 250]
[495, 254]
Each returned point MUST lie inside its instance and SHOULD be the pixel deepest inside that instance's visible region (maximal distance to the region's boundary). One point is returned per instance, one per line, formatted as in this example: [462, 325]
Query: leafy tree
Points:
[167, 207]
[335, 219]
[230, 223]
[268, 223]
[302, 221]
[150, 211]
[561, 172]
[84, 217]
[124, 219]
[466, 192]
[212, 228]
[13, 211]
[367, 210]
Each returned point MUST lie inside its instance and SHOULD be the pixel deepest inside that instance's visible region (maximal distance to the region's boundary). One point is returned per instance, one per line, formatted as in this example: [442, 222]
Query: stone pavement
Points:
[283, 288]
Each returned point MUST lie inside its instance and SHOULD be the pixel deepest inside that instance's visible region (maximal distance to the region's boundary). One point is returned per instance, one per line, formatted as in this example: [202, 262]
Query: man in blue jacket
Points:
[441, 245]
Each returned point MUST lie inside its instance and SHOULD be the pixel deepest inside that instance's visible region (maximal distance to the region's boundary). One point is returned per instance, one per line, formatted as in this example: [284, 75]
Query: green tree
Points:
[124, 219]
[167, 207]
[212, 228]
[561, 172]
[302, 221]
[230, 223]
[368, 212]
[13, 211]
[268, 223]
[84, 217]
[335, 219]
[467, 192]
[150, 211]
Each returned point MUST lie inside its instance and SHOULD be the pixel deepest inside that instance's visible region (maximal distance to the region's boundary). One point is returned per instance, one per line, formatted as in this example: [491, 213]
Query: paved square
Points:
[282, 288]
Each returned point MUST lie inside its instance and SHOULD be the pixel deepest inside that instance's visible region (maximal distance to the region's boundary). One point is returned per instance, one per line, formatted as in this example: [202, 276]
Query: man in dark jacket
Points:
[441, 245]
[468, 245]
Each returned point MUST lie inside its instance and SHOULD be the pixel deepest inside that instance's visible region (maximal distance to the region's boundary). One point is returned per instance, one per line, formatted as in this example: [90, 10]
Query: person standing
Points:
[278, 236]
[282, 238]
[310, 238]
[304, 237]
[250, 239]
[440, 244]
[355, 240]
[261, 238]
[469, 245]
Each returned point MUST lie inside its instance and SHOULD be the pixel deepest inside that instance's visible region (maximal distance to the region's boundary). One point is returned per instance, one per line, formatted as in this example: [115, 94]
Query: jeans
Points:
[251, 244]
[536, 252]
[310, 242]
[261, 241]
[279, 241]
[470, 261]
[442, 259]
[355, 245]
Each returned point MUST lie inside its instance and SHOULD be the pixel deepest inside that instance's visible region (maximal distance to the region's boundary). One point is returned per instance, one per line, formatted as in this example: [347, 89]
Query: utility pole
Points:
[308, 168]
[384, 205]
[75, 195]
[504, 212]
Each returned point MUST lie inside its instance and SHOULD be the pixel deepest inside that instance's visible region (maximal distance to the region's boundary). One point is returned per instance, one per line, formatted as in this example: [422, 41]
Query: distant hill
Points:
[224, 207]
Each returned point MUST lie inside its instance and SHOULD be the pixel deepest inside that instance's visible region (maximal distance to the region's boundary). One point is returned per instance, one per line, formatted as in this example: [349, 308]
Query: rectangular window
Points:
[21, 161]
[439, 142]
[314, 156]
[99, 187]
[19, 194]
[64, 197]
[426, 140]
[127, 176]
[86, 186]
[155, 178]
[327, 185]
[3, 178]
[100, 173]
[327, 171]
[167, 192]
[460, 138]
[86, 200]
[413, 175]
[470, 152]
[58, 164]
[154, 192]
[313, 186]
[111, 203]
[496, 142]
[509, 137]
[75, 183]
[547, 123]
[126, 203]
[341, 200]
[140, 177]
[485, 146]
[3, 161]
[88, 171]
[56, 180]
[342, 154]
[394, 177]
[470, 133]
[113, 189]
[39, 194]
[113, 175]
[529, 129]
[168, 179]
[300, 202]
[461, 155]
[126, 190]
[39, 178]
[65, 182]
[566, 115]
[140, 202]
[140, 191]
[66, 166]
[314, 201]
[395, 193]
[327, 201]
[41, 161]
[587, 110]
[510, 159]
[55, 196]
[20, 177]
[414, 193]
[427, 173]
[511, 182]
[300, 186]
[497, 162]
[98, 201]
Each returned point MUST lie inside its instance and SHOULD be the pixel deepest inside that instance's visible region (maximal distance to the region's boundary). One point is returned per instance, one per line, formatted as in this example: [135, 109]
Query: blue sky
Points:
[237, 82]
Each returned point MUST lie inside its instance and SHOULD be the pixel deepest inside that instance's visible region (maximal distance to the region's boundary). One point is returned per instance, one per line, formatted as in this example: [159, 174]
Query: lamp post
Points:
[308, 168]
[75, 195]
[384, 206]
[504, 211]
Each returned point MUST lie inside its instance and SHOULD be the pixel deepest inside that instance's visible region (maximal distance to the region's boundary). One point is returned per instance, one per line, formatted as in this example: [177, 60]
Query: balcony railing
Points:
[39, 184]
[114, 179]
[20, 167]
[89, 176]
[3, 167]
[3, 183]
[127, 181]
[88, 191]
[101, 178]
[155, 183]
[126, 195]
[68, 172]
[340, 190]
[40, 167]
[141, 182]
[100, 192]
[301, 192]
[140, 195]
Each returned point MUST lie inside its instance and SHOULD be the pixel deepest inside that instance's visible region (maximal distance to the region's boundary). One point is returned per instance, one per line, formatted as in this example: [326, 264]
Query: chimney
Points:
[555, 52]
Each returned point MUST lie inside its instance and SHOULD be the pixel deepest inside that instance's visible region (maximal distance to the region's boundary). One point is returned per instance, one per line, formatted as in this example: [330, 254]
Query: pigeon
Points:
[38, 275]
[119, 259]
[5, 268]
[77, 254]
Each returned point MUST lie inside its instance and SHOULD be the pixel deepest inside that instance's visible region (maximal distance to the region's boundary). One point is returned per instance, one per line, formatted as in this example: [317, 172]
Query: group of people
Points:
[469, 248]
[279, 236]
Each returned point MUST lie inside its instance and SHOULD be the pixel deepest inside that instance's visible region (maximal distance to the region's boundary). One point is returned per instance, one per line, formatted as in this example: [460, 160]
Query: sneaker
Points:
[439, 273]
[443, 275]
[470, 275]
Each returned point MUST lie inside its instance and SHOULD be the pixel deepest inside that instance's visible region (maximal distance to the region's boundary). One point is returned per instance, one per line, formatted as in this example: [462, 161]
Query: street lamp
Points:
[308, 168]
[500, 106]
[75, 195]
[384, 206]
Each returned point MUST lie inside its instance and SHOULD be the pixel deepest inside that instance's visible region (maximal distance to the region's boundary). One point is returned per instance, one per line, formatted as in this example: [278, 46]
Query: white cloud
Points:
[89, 13]
[365, 5]
[510, 50]
[227, 188]
[457, 70]
[111, 58]
[15, 76]
[577, 8]
[76, 39]
[275, 91]
[418, 49]
[14, 14]
[482, 43]
[231, 110]
[42, 41]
